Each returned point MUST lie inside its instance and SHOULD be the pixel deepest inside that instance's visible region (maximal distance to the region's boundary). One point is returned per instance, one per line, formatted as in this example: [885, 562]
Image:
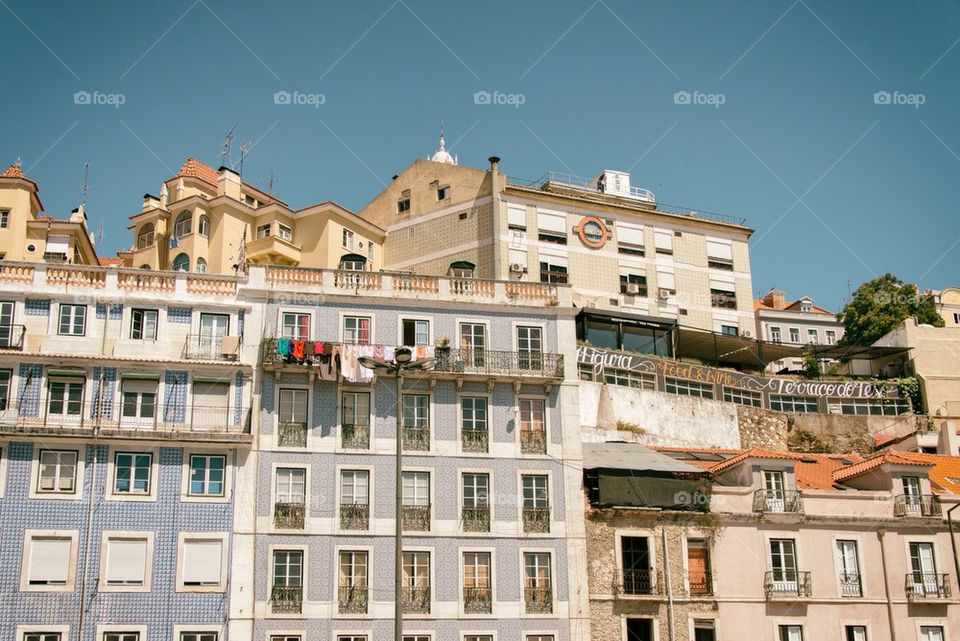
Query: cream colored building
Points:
[947, 301]
[799, 322]
[28, 235]
[208, 220]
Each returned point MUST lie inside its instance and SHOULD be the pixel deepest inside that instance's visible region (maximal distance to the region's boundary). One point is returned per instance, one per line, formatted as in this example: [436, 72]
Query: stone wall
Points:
[762, 428]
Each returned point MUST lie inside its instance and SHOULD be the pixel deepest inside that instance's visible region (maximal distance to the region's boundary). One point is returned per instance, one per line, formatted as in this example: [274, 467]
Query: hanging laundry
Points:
[389, 353]
[308, 349]
[349, 365]
[297, 350]
[283, 346]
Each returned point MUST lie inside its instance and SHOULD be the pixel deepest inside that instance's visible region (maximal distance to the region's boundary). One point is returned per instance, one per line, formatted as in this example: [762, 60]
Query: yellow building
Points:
[27, 235]
[208, 220]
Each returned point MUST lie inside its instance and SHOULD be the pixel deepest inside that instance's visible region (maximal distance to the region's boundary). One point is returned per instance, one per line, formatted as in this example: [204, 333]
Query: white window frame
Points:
[307, 479]
[77, 494]
[104, 629]
[28, 538]
[105, 538]
[151, 495]
[281, 324]
[185, 628]
[417, 319]
[43, 628]
[347, 239]
[72, 307]
[186, 496]
[553, 554]
[263, 231]
[182, 538]
[284, 232]
[343, 326]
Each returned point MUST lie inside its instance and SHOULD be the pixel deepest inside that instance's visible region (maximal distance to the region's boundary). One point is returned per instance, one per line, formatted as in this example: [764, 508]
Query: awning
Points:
[633, 456]
[848, 352]
[724, 349]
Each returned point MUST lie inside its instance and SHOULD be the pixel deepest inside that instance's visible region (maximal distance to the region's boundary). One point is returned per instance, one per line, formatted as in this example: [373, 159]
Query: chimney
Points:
[494, 162]
[150, 202]
[948, 443]
[78, 215]
[228, 183]
[775, 299]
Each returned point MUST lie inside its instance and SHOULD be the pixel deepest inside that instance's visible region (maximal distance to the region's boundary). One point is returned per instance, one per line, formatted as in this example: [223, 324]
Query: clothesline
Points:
[335, 359]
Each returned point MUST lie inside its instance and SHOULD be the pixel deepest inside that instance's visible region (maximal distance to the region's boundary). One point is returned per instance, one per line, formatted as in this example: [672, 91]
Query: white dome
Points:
[442, 155]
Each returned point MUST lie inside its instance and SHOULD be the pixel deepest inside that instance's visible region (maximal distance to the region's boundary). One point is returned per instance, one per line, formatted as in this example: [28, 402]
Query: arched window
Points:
[204, 226]
[181, 263]
[145, 236]
[145, 266]
[353, 262]
[461, 269]
[201, 266]
[184, 224]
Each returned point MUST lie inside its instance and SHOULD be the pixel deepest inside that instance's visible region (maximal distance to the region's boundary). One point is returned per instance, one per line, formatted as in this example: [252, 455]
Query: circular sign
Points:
[593, 232]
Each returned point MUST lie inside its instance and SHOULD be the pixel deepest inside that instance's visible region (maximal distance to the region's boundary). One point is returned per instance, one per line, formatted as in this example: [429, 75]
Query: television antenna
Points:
[225, 153]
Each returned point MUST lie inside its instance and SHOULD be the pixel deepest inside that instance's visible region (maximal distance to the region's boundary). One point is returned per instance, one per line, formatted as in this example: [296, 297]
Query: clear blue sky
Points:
[876, 183]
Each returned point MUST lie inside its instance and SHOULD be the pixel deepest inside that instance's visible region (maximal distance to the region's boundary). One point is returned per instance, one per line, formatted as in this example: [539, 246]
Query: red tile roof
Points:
[107, 261]
[193, 168]
[894, 457]
[13, 171]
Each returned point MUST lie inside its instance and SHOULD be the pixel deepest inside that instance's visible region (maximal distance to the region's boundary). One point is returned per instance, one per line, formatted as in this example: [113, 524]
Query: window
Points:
[553, 269]
[354, 487]
[626, 378]
[790, 632]
[143, 324]
[356, 408]
[923, 567]
[403, 205]
[58, 472]
[704, 630]
[5, 376]
[535, 491]
[291, 485]
[370, 247]
[443, 193]
[183, 224]
[532, 415]
[688, 388]
[476, 583]
[198, 636]
[539, 637]
[516, 217]
[263, 231]
[477, 637]
[473, 337]
[121, 636]
[530, 347]
[783, 563]
[552, 227]
[663, 241]
[287, 568]
[931, 633]
[49, 563]
[796, 404]
[476, 490]
[416, 411]
[201, 562]
[720, 255]
[126, 561]
[353, 581]
[831, 337]
[139, 402]
[956, 318]
[285, 637]
[473, 413]
[723, 298]
[794, 335]
[204, 226]
[207, 475]
[296, 326]
[813, 336]
[637, 575]
[201, 266]
[416, 332]
[855, 633]
[742, 396]
[537, 582]
[145, 237]
[41, 636]
[639, 629]
[699, 575]
[181, 263]
[131, 472]
[729, 330]
[666, 282]
[871, 406]
[65, 399]
[4, 218]
[347, 239]
[416, 489]
[292, 410]
[416, 581]
[356, 330]
[284, 232]
[633, 284]
[630, 239]
[73, 320]
[352, 263]
[775, 335]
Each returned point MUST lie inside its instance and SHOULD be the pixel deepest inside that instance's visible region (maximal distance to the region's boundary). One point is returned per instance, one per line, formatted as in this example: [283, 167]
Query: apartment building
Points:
[798, 322]
[947, 302]
[124, 416]
[770, 545]
[493, 542]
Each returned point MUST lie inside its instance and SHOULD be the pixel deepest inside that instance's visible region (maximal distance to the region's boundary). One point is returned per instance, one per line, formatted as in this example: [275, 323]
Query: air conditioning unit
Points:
[517, 268]
[633, 289]
[663, 294]
[747, 333]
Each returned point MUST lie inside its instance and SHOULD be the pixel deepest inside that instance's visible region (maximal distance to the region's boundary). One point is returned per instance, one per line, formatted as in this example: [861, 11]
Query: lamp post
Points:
[402, 361]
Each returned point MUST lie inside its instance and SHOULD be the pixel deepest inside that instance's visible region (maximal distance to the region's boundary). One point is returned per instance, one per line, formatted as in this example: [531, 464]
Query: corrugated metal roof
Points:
[632, 456]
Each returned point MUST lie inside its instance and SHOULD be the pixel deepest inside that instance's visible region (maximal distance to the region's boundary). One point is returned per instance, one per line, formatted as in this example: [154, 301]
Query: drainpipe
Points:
[666, 576]
[953, 540]
[886, 585]
[495, 204]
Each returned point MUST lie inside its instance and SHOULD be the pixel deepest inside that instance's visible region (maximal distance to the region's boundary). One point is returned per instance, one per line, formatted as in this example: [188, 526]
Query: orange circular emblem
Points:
[593, 232]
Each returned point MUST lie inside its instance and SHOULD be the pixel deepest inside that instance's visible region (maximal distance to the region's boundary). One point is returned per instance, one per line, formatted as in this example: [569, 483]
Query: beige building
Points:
[947, 301]
[799, 322]
[29, 236]
[208, 220]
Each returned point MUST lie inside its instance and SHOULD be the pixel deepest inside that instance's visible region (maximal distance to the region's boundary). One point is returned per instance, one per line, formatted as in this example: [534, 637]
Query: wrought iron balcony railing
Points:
[700, 582]
[536, 519]
[416, 439]
[211, 348]
[636, 582]
[494, 363]
[477, 600]
[106, 414]
[355, 516]
[476, 519]
[538, 600]
[355, 437]
[286, 599]
[415, 600]
[917, 505]
[786, 584]
[779, 501]
[416, 518]
[533, 441]
[475, 440]
[11, 337]
[850, 585]
[927, 585]
[291, 434]
[289, 516]
[353, 599]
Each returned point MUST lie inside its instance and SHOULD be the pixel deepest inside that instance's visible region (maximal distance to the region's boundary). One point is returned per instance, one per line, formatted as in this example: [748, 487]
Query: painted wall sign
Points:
[593, 232]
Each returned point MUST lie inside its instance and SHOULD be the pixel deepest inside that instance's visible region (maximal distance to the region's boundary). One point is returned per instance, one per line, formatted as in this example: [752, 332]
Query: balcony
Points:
[211, 348]
[286, 599]
[416, 518]
[355, 437]
[477, 600]
[927, 586]
[533, 441]
[416, 439]
[917, 505]
[273, 249]
[415, 600]
[536, 520]
[778, 501]
[476, 519]
[637, 582]
[352, 599]
[355, 516]
[475, 441]
[538, 600]
[291, 434]
[786, 584]
[850, 586]
[11, 338]
[700, 583]
[289, 516]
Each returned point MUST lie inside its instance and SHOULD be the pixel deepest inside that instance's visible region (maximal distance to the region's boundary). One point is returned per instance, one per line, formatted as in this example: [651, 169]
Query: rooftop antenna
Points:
[225, 156]
[244, 150]
[86, 174]
[100, 232]
[273, 181]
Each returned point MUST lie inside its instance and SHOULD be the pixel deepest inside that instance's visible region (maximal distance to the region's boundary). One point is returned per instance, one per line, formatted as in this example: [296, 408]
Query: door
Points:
[530, 347]
[139, 409]
[783, 563]
[65, 403]
[848, 568]
[6, 325]
[791, 633]
[911, 493]
[213, 327]
[698, 566]
[924, 568]
[774, 486]
[635, 557]
[211, 405]
[473, 340]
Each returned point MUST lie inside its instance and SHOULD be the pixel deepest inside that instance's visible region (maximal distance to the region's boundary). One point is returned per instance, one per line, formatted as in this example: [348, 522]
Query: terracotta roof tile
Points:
[107, 261]
[13, 171]
[193, 168]
[944, 469]
[887, 456]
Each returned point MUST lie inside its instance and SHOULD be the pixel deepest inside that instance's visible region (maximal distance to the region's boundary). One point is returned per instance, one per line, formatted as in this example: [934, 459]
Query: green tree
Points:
[881, 304]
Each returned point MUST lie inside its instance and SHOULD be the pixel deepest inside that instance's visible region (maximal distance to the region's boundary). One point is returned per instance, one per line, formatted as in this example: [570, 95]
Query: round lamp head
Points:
[402, 355]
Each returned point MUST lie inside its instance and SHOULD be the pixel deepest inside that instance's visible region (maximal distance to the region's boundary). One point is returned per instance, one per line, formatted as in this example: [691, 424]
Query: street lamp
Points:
[402, 361]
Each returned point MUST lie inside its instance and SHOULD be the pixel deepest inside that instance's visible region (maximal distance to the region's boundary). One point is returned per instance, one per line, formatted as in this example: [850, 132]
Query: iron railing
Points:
[786, 584]
[415, 600]
[208, 348]
[355, 437]
[292, 434]
[536, 519]
[636, 582]
[477, 600]
[789, 501]
[475, 440]
[533, 441]
[286, 599]
[416, 439]
[353, 599]
[355, 516]
[416, 518]
[927, 585]
[850, 585]
[476, 519]
[493, 363]
[538, 600]
[917, 505]
[11, 337]
[107, 414]
[700, 583]
[289, 516]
